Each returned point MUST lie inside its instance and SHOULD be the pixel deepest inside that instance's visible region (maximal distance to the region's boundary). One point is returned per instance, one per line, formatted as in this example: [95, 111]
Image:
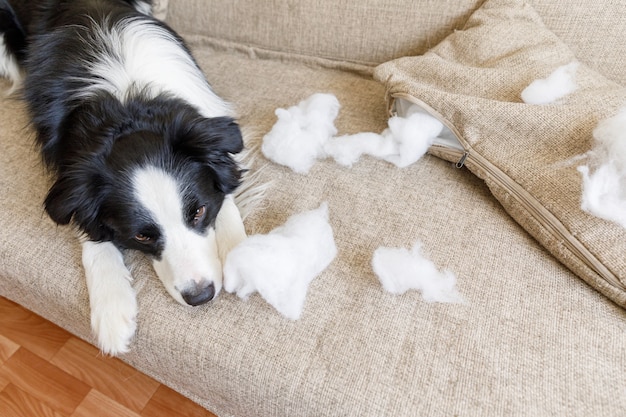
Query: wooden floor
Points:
[47, 372]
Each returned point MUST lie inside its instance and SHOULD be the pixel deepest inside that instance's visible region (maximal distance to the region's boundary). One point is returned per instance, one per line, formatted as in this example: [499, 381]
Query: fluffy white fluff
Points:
[346, 150]
[297, 139]
[281, 264]
[411, 136]
[556, 86]
[400, 270]
[306, 132]
[604, 179]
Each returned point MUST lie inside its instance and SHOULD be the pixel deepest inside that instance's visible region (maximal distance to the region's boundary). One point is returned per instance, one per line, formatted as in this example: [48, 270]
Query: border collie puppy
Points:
[140, 147]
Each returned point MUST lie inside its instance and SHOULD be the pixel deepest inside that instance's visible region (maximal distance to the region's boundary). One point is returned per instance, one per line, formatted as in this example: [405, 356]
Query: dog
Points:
[142, 151]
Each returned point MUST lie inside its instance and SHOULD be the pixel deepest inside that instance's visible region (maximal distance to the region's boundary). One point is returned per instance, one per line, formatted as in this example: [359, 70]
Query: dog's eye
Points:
[199, 214]
[141, 238]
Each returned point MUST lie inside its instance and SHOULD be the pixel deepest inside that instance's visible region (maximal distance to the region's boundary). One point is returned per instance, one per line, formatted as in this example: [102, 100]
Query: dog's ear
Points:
[213, 142]
[77, 196]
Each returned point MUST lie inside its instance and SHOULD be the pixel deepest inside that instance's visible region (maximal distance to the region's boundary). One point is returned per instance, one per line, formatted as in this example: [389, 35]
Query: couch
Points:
[535, 336]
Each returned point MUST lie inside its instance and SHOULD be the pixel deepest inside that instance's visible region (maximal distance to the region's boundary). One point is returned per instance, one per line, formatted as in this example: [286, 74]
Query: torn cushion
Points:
[527, 154]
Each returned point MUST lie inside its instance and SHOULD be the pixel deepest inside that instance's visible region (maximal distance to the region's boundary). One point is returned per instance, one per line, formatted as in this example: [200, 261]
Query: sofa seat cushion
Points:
[531, 340]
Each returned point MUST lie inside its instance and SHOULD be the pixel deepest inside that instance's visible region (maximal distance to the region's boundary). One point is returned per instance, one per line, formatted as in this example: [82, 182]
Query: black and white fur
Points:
[140, 146]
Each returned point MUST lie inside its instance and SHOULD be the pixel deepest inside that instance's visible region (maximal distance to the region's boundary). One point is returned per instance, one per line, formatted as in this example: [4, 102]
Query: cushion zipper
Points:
[536, 210]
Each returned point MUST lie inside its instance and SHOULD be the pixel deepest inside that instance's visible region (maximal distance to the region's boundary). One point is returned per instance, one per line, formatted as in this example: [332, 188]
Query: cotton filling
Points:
[400, 270]
[281, 264]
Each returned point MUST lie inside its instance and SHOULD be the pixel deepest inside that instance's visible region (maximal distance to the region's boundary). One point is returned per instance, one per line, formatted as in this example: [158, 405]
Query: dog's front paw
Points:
[113, 319]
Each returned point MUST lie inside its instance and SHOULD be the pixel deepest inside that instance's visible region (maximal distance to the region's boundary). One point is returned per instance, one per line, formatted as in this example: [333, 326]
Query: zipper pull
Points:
[461, 162]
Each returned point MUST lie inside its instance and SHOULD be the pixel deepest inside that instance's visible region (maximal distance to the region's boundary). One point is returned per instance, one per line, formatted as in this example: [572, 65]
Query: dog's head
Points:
[157, 187]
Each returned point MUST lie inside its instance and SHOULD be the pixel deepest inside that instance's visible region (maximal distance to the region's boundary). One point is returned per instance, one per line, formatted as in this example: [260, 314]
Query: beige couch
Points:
[533, 338]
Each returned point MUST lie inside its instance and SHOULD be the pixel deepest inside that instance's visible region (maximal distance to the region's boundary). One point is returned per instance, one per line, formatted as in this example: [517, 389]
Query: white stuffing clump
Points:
[400, 270]
[281, 264]
[346, 150]
[404, 142]
[306, 133]
[556, 86]
[604, 179]
[297, 138]
[412, 137]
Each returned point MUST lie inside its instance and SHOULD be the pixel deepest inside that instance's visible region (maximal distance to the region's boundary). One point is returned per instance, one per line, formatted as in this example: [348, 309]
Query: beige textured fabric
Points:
[364, 33]
[370, 32]
[533, 339]
[159, 9]
[591, 30]
[473, 81]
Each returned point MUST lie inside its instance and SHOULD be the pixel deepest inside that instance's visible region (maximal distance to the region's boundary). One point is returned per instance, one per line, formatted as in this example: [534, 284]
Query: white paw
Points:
[113, 318]
[112, 298]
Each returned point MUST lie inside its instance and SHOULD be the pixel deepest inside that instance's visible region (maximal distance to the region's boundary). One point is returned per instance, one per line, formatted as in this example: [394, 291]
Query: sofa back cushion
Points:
[363, 32]
[370, 32]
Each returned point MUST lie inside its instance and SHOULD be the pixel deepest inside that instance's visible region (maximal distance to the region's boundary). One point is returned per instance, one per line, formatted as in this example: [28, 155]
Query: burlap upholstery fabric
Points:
[354, 34]
[366, 33]
[532, 340]
[159, 9]
[473, 81]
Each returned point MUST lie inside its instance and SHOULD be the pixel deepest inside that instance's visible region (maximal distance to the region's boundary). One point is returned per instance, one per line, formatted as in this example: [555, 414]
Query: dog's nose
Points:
[200, 293]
